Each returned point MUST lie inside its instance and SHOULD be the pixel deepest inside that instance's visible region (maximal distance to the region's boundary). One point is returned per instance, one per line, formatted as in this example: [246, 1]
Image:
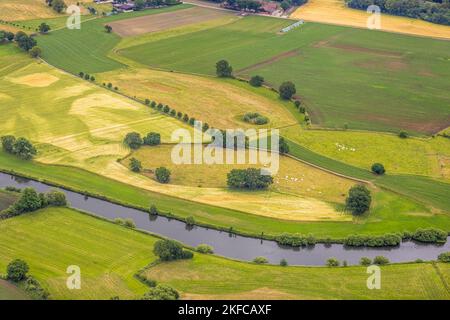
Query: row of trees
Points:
[436, 11]
[24, 42]
[134, 140]
[19, 147]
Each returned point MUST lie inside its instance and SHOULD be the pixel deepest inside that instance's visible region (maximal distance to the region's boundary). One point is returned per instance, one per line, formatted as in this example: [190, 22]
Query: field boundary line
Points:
[441, 276]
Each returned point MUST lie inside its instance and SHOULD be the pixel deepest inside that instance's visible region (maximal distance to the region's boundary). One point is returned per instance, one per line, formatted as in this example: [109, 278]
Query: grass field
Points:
[50, 240]
[336, 12]
[10, 292]
[198, 279]
[396, 80]
[418, 156]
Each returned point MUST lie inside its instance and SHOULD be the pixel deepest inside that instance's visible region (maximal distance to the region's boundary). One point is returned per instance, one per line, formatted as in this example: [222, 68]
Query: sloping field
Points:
[198, 279]
[56, 238]
[362, 149]
[398, 82]
[336, 12]
[164, 21]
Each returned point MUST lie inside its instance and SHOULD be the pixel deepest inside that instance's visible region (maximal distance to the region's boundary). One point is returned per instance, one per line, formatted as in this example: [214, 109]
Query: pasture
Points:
[398, 82]
[108, 255]
[336, 12]
[198, 279]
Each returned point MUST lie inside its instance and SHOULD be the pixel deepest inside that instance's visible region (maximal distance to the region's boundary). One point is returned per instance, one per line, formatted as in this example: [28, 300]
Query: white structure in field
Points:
[292, 26]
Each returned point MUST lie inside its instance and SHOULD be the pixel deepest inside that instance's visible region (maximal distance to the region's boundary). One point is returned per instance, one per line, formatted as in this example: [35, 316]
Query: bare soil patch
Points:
[39, 80]
[164, 21]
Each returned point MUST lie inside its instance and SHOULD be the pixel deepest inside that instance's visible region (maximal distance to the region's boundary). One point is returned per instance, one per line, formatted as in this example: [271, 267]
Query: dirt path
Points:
[274, 59]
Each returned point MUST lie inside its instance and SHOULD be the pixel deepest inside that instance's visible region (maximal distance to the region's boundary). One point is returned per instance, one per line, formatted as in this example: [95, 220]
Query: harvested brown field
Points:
[336, 12]
[164, 21]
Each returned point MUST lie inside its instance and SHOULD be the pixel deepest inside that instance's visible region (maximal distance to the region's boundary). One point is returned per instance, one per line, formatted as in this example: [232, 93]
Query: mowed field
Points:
[198, 279]
[53, 239]
[428, 157]
[397, 82]
[19, 10]
[336, 12]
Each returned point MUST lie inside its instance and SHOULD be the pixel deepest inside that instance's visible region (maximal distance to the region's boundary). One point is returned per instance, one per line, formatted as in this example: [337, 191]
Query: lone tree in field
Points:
[223, 69]
[287, 90]
[358, 200]
[168, 250]
[162, 174]
[108, 28]
[133, 140]
[35, 52]
[256, 81]
[378, 168]
[17, 270]
[135, 165]
[44, 28]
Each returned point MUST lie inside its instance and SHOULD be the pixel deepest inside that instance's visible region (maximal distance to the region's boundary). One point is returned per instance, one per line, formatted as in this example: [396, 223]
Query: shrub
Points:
[166, 109]
[17, 270]
[173, 112]
[20, 147]
[256, 81]
[129, 223]
[8, 143]
[430, 235]
[380, 260]
[192, 121]
[283, 263]
[153, 210]
[119, 221]
[260, 260]
[287, 90]
[185, 118]
[332, 262]
[224, 69]
[162, 175]
[153, 104]
[190, 221]
[295, 240]
[133, 140]
[403, 134]
[378, 169]
[302, 109]
[204, 248]
[387, 240]
[283, 147]
[297, 103]
[255, 118]
[152, 139]
[28, 201]
[344, 263]
[358, 200]
[161, 292]
[364, 261]
[250, 178]
[160, 106]
[168, 250]
[34, 288]
[147, 102]
[179, 115]
[56, 198]
[444, 257]
[135, 165]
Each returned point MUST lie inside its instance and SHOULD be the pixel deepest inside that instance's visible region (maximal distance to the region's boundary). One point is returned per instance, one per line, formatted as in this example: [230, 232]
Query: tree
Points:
[56, 198]
[364, 261]
[403, 134]
[168, 250]
[260, 260]
[28, 201]
[135, 165]
[8, 143]
[161, 292]
[444, 257]
[205, 249]
[108, 28]
[24, 41]
[250, 178]
[35, 52]
[44, 28]
[58, 5]
[190, 221]
[287, 90]
[380, 260]
[358, 200]
[153, 210]
[133, 140]
[162, 175]
[333, 262]
[256, 81]
[139, 4]
[24, 149]
[286, 4]
[283, 263]
[223, 69]
[283, 146]
[378, 169]
[17, 270]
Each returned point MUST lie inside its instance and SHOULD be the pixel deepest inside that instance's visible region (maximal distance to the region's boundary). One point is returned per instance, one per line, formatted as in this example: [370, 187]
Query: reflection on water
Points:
[231, 245]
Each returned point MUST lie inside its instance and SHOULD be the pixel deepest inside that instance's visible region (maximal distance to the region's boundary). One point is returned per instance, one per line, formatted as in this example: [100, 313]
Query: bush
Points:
[168, 250]
[152, 139]
[283, 147]
[129, 223]
[260, 260]
[28, 201]
[378, 169]
[444, 257]
[403, 134]
[34, 288]
[302, 109]
[56, 198]
[190, 221]
[17, 270]
[135, 165]
[287, 90]
[332, 262]
[295, 240]
[223, 69]
[133, 140]
[358, 200]
[204, 248]
[161, 292]
[153, 104]
[255, 118]
[430, 235]
[364, 261]
[153, 210]
[162, 175]
[250, 178]
[20, 147]
[256, 81]
[166, 109]
[283, 263]
[387, 240]
[380, 260]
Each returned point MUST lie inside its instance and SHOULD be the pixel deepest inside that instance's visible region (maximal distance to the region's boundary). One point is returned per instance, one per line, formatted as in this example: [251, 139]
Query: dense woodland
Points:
[436, 11]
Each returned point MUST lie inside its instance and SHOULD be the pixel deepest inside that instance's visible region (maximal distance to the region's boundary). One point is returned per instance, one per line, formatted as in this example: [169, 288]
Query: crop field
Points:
[198, 279]
[395, 79]
[164, 21]
[336, 12]
[417, 156]
[108, 255]
[207, 102]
